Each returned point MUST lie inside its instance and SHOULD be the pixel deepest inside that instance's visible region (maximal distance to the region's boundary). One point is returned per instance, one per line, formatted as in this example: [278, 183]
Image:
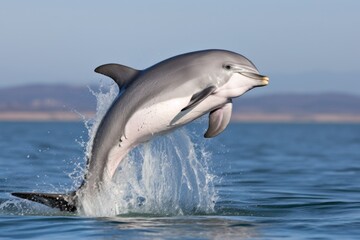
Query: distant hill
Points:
[325, 103]
[43, 98]
[296, 107]
[44, 102]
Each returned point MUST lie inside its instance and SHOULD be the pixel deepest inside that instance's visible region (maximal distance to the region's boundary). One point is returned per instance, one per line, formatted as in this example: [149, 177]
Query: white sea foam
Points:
[167, 176]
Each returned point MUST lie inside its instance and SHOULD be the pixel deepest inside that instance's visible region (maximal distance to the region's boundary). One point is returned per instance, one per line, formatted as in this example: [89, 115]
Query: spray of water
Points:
[166, 176]
[169, 175]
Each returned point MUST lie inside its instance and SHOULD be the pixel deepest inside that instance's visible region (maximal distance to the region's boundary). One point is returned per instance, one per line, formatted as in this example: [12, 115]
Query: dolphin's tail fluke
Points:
[64, 202]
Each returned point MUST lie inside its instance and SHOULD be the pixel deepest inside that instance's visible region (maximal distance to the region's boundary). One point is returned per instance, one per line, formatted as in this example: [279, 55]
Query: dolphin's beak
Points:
[264, 79]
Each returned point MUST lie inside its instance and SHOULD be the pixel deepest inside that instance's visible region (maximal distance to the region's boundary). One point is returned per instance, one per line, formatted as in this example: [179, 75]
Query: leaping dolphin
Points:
[155, 101]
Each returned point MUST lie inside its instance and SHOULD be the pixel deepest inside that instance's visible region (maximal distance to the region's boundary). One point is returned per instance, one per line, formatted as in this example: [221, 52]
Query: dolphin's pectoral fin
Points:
[218, 120]
[64, 202]
[177, 118]
[195, 100]
[199, 97]
[121, 74]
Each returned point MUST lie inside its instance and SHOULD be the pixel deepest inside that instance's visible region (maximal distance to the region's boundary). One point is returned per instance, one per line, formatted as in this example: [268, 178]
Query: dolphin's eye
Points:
[227, 67]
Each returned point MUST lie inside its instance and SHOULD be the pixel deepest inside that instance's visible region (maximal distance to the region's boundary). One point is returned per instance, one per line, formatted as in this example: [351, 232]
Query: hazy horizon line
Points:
[109, 83]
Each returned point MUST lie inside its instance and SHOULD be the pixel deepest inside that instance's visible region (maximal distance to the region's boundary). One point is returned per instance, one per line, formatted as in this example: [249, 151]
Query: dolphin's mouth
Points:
[264, 80]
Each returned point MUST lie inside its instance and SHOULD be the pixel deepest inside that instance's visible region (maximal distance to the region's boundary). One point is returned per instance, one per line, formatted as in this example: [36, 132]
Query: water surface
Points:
[290, 181]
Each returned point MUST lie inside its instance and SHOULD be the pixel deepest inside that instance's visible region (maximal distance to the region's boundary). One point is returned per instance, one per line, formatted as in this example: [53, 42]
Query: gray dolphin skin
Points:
[155, 101]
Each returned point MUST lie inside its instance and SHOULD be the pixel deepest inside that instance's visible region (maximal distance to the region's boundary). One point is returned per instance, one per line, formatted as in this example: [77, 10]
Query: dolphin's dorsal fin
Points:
[121, 74]
[218, 120]
[199, 97]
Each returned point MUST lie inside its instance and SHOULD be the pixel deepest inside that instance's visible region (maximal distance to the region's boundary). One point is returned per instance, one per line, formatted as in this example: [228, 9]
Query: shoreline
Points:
[296, 118]
[63, 116]
[44, 116]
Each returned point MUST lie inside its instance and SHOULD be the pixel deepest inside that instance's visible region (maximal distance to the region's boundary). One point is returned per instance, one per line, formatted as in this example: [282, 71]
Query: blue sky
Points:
[304, 46]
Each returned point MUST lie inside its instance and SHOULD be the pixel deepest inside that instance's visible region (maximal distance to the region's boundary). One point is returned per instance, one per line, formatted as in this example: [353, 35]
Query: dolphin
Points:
[155, 101]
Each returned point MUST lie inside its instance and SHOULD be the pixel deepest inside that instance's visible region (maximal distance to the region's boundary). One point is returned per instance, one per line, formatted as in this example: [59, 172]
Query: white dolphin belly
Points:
[156, 119]
[159, 118]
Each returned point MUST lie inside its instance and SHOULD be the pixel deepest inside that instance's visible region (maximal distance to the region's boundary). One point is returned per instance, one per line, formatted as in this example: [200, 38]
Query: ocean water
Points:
[254, 181]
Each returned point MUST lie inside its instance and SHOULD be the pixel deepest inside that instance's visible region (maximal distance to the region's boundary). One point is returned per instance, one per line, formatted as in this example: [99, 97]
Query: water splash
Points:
[104, 100]
[169, 175]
